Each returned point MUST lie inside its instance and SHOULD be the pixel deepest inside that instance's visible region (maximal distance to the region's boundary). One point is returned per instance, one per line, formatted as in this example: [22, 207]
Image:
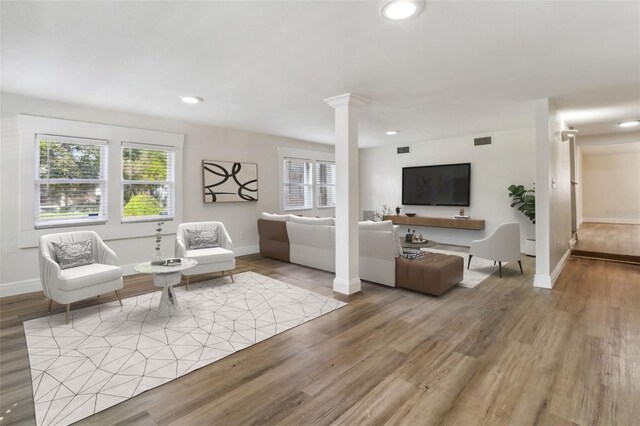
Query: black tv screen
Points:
[442, 185]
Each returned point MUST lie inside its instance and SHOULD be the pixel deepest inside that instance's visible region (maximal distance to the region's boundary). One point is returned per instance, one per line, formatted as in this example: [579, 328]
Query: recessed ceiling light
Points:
[191, 99]
[400, 9]
[630, 123]
[392, 132]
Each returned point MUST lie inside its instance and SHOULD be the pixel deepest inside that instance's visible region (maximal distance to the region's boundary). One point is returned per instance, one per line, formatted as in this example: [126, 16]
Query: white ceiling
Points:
[458, 68]
[622, 148]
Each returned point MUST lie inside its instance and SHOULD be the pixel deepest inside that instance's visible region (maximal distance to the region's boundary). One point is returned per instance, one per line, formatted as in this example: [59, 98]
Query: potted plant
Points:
[525, 201]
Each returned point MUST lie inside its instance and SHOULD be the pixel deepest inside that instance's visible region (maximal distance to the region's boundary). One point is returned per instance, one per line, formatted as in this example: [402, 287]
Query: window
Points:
[71, 176]
[298, 184]
[326, 183]
[148, 182]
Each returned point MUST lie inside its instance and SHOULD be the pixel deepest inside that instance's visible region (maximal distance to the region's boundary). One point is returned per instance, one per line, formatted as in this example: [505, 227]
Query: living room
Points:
[491, 84]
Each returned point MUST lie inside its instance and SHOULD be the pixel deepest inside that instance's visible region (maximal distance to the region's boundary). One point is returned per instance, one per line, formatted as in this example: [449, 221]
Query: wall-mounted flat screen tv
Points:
[441, 185]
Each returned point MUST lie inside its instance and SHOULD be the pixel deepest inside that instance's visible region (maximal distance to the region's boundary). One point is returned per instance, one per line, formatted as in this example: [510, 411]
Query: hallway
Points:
[608, 241]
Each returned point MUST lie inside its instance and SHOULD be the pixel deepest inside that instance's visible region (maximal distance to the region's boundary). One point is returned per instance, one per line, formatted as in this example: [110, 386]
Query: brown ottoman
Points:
[433, 273]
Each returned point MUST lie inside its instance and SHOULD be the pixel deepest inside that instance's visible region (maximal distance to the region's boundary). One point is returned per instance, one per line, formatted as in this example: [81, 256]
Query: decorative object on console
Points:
[398, 209]
[225, 181]
[410, 214]
[158, 257]
[461, 212]
[386, 211]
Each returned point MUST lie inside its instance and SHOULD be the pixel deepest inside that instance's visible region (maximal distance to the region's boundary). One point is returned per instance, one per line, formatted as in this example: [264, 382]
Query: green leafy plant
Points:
[524, 200]
[142, 205]
[386, 211]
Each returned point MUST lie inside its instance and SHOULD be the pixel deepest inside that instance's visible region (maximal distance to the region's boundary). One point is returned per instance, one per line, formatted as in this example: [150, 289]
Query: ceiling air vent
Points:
[403, 150]
[482, 141]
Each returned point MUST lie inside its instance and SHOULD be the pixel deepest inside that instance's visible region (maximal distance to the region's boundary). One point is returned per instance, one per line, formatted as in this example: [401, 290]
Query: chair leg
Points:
[68, 310]
[50, 302]
[469, 262]
[118, 296]
[500, 268]
[187, 282]
[231, 275]
[494, 262]
[520, 264]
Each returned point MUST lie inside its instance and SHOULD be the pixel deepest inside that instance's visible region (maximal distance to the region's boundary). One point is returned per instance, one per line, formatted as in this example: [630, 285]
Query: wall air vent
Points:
[403, 150]
[482, 141]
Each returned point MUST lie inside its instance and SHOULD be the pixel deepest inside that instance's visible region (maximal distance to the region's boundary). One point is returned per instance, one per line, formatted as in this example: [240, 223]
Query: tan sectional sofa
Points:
[311, 242]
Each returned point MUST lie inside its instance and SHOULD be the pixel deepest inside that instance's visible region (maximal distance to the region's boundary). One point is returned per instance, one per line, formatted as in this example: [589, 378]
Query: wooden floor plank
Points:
[501, 353]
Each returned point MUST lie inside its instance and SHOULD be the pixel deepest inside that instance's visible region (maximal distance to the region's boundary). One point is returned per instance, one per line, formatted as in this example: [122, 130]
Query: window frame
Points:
[170, 182]
[28, 126]
[310, 185]
[103, 214]
[325, 185]
[313, 156]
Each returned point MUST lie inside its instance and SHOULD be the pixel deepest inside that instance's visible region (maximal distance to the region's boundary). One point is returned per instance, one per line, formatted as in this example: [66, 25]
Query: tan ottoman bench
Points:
[433, 273]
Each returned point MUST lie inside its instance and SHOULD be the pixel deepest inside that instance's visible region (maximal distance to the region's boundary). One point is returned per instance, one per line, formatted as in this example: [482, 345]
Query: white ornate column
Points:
[347, 280]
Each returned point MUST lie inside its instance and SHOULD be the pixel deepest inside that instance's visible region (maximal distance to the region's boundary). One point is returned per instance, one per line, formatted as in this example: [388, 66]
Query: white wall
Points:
[19, 267]
[553, 194]
[611, 188]
[510, 159]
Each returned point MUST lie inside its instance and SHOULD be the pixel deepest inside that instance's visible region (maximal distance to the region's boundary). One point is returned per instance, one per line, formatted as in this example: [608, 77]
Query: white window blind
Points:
[298, 184]
[148, 182]
[71, 181]
[326, 183]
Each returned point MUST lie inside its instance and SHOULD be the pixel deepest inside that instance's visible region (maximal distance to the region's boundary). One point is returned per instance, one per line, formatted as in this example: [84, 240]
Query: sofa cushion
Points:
[385, 225]
[202, 238]
[88, 275]
[276, 217]
[312, 220]
[72, 255]
[211, 255]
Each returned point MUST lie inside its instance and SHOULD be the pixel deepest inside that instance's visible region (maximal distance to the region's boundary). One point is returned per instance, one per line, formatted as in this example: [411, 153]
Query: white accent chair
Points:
[66, 286]
[503, 245]
[215, 259]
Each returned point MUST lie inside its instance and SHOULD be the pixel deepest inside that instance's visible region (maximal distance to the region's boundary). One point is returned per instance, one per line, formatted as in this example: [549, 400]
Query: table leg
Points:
[168, 300]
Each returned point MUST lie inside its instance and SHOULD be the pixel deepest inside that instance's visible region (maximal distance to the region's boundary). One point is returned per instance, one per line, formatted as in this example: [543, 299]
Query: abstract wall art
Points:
[226, 182]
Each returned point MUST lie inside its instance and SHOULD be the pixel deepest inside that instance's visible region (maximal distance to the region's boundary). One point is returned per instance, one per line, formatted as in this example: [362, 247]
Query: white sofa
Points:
[312, 242]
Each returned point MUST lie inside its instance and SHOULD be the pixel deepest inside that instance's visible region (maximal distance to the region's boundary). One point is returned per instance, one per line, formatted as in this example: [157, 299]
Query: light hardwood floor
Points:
[609, 241]
[501, 353]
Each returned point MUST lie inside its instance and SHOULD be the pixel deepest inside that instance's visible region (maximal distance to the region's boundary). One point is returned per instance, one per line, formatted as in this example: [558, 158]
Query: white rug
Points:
[108, 353]
[479, 271]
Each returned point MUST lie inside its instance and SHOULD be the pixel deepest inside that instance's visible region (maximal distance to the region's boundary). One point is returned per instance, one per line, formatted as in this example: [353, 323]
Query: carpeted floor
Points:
[109, 353]
[479, 270]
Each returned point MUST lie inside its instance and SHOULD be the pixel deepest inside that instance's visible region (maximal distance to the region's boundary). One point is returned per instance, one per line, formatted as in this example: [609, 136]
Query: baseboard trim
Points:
[614, 220]
[29, 286]
[347, 286]
[20, 287]
[542, 281]
[580, 222]
[547, 281]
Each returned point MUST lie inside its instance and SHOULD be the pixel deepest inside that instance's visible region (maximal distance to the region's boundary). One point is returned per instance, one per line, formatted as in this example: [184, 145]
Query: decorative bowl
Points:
[410, 214]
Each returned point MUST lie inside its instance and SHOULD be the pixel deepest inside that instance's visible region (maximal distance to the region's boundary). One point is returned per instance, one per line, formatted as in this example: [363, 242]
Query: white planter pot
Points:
[530, 247]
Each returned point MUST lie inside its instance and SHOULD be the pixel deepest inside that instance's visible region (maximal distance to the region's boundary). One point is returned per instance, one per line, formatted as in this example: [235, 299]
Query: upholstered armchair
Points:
[503, 245]
[66, 285]
[213, 248]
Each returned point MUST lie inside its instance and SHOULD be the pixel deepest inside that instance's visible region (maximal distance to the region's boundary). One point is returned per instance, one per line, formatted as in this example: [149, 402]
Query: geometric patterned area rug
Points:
[109, 353]
[479, 271]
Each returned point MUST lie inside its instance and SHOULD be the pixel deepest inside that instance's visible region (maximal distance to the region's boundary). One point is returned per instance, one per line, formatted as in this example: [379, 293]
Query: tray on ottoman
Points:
[434, 273]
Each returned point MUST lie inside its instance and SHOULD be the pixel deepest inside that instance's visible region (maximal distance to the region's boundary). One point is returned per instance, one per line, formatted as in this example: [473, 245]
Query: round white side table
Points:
[166, 277]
